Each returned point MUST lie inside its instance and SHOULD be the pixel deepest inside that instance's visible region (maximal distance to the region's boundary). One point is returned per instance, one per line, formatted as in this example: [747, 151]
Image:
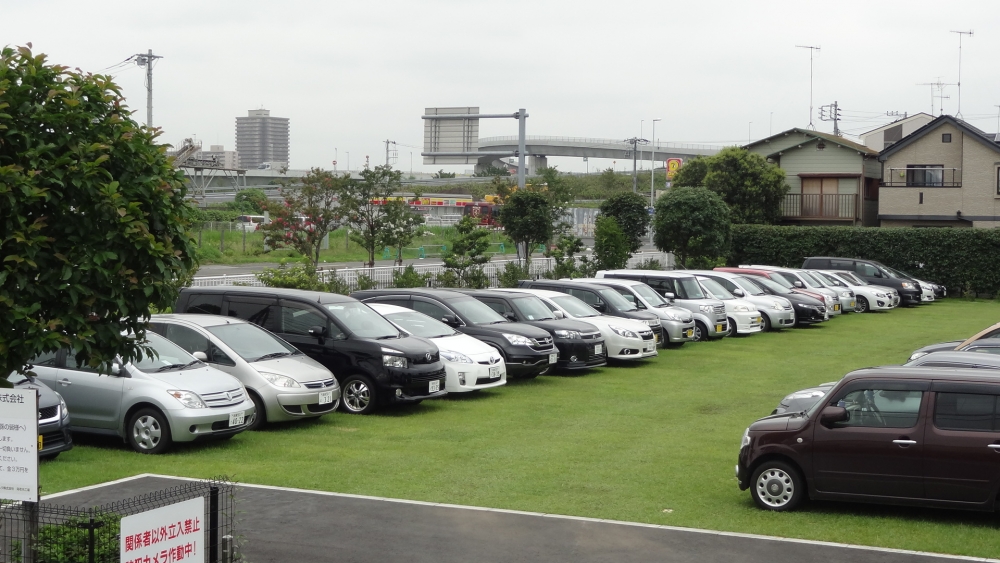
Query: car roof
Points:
[979, 335]
[538, 291]
[992, 360]
[314, 296]
[926, 373]
[387, 309]
[197, 319]
[582, 285]
[844, 258]
[442, 294]
[735, 270]
[653, 273]
[487, 292]
[610, 281]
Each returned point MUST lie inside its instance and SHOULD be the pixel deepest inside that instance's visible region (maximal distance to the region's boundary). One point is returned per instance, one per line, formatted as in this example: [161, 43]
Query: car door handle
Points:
[904, 442]
[65, 382]
[994, 447]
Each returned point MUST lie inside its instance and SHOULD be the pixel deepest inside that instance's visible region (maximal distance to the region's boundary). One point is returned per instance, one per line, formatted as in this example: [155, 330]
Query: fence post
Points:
[29, 549]
[200, 230]
[213, 524]
[244, 241]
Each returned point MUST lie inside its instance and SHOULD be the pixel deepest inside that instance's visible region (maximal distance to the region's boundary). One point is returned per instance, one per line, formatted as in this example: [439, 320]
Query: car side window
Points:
[73, 364]
[297, 319]
[730, 286]
[841, 265]
[256, 311]
[432, 310]
[881, 408]
[867, 270]
[205, 303]
[966, 411]
[789, 277]
[500, 307]
[192, 341]
[587, 297]
[629, 296]
[983, 349]
[47, 359]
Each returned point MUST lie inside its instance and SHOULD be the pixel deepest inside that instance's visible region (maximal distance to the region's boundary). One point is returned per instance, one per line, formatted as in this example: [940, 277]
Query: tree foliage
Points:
[93, 229]
[611, 181]
[466, 256]
[526, 217]
[693, 223]
[308, 214]
[752, 187]
[362, 205]
[492, 171]
[399, 226]
[611, 244]
[559, 194]
[250, 201]
[630, 212]
[562, 254]
[442, 174]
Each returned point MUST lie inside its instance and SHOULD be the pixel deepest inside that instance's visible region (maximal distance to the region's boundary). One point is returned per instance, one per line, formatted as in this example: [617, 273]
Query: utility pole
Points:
[834, 116]
[146, 60]
[652, 165]
[635, 142]
[394, 151]
[958, 113]
[811, 51]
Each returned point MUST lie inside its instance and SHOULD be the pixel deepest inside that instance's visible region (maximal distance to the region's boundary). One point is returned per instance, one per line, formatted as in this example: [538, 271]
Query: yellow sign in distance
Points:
[673, 165]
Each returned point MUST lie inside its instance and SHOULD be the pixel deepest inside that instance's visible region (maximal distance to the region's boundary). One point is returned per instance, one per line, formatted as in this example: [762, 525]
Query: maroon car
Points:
[919, 436]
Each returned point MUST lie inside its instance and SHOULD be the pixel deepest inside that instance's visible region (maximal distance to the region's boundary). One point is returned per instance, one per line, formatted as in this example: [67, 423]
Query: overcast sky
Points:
[351, 74]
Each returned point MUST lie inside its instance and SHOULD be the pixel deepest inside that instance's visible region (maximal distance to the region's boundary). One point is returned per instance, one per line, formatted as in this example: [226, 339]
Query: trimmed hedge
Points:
[966, 261]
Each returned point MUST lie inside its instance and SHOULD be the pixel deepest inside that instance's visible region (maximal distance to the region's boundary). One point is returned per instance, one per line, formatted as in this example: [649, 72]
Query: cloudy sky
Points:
[351, 74]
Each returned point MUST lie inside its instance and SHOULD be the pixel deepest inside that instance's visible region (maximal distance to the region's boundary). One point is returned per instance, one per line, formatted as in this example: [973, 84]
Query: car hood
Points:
[563, 324]
[463, 343]
[413, 347]
[782, 421]
[300, 367]
[517, 328]
[205, 379]
[803, 399]
[680, 312]
[46, 396]
[939, 347]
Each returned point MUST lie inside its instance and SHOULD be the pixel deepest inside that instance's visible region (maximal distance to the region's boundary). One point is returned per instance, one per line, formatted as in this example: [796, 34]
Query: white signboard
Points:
[451, 135]
[165, 535]
[19, 444]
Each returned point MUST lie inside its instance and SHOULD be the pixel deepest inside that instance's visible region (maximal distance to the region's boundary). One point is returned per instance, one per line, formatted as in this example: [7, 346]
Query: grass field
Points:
[649, 443]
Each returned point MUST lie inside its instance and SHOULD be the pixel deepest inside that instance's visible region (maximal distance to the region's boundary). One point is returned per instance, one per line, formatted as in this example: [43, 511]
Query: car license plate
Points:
[495, 372]
[656, 337]
[718, 328]
[690, 332]
[836, 307]
[434, 386]
[41, 442]
[651, 346]
[598, 348]
[325, 397]
[236, 419]
[759, 320]
[553, 357]
[852, 304]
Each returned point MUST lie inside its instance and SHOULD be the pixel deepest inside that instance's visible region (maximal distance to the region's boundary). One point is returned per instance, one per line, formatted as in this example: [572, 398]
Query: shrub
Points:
[562, 254]
[70, 541]
[512, 273]
[364, 282]
[301, 276]
[649, 264]
[611, 245]
[408, 277]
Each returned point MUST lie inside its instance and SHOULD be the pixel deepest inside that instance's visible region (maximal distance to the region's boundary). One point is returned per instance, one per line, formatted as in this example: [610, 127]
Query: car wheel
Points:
[732, 327]
[148, 432]
[777, 486]
[358, 395]
[48, 457]
[700, 332]
[258, 419]
[862, 305]
[765, 323]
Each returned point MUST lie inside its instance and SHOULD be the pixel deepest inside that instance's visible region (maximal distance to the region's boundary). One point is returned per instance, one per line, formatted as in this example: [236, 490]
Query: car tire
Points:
[700, 332]
[777, 486]
[259, 420]
[862, 305]
[148, 432]
[732, 327]
[765, 323]
[358, 395]
[48, 457]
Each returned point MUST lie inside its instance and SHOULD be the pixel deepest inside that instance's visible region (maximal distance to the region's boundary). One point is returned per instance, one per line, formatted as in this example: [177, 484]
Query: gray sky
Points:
[350, 74]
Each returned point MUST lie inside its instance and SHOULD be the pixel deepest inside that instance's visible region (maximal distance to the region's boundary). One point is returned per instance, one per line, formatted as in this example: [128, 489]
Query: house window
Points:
[998, 181]
[945, 137]
[924, 174]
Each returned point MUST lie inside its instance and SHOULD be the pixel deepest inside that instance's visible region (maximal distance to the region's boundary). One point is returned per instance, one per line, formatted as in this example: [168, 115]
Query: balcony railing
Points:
[819, 206]
[923, 177]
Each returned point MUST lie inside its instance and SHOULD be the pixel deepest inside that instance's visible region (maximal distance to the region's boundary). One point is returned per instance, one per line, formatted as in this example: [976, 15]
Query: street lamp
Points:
[652, 166]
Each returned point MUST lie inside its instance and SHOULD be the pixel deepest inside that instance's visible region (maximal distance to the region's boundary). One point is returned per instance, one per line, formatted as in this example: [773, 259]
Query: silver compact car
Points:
[284, 384]
[53, 416]
[152, 402]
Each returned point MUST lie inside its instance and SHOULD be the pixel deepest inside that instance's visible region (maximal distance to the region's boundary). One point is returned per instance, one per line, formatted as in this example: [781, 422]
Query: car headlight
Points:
[667, 315]
[845, 293]
[570, 334]
[187, 398]
[827, 299]
[518, 340]
[63, 409]
[624, 332]
[655, 323]
[741, 309]
[907, 285]
[456, 357]
[280, 380]
[705, 308]
[746, 438]
[882, 295]
[391, 361]
[916, 355]
[802, 305]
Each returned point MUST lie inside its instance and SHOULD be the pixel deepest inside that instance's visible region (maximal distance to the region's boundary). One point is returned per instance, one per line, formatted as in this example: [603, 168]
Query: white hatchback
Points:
[469, 364]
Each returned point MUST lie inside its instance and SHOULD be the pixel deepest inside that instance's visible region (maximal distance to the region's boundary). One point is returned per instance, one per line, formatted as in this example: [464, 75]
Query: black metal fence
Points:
[47, 533]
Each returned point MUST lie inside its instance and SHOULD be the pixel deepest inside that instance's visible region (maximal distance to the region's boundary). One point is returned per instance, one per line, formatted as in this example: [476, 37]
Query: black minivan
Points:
[528, 351]
[373, 361]
[872, 272]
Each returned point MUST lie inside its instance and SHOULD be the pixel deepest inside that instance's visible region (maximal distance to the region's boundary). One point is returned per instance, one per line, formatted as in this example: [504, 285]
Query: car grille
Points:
[48, 413]
[429, 376]
[821, 309]
[720, 309]
[590, 335]
[224, 424]
[648, 335]
[224, 399]
[318, 408]
[542, 344]
[321, 384]
[52, 440]
[424, 359]
[786, 307]
[495, 360]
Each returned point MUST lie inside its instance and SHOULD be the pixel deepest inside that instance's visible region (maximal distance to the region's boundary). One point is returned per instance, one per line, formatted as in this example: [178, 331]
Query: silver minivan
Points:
[284, 383]
[153, 402]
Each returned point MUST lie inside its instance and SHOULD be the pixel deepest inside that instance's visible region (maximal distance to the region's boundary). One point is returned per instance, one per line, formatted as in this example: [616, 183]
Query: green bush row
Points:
[965, 261]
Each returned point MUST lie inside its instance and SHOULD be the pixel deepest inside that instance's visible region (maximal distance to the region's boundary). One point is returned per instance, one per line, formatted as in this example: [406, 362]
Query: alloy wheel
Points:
[357, 395]
[147, 432]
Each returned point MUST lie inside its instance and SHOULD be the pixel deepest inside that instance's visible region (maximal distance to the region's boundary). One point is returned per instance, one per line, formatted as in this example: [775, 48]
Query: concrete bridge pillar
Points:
[535, 162]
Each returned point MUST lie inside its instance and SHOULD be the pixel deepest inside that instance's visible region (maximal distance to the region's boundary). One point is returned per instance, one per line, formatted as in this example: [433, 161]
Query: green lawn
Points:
[650, 443]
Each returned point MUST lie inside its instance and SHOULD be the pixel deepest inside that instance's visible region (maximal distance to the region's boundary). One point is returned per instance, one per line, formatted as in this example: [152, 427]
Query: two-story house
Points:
[945, 174]
[831, 180]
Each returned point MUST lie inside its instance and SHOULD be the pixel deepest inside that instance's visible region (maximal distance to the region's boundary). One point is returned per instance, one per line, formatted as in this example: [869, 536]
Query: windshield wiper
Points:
[171, 367]
[189, 364]
[387, 337]
[273, 355]
[498, 322]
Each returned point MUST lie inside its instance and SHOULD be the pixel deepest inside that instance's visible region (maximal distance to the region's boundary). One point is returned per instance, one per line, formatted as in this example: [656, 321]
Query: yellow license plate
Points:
[656, 336]
[852, 304]
[718, 328]
[690, 332]
[836, 307]
[41, 442]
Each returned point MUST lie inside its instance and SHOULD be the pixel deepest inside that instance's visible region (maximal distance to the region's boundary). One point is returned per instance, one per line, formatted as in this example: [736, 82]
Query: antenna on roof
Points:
[811, 51]
[997, 138]
[958, 113]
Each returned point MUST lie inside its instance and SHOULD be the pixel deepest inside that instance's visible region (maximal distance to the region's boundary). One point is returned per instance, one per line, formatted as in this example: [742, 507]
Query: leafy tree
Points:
[308, 214]
[629, 211]
[251, 200]
[400, 226]
[565, 264]
[692, 173]
[611, 244]
[512, 273]
[408, 277]
[752, 187]
[93, 227]
[467, 255]
[693, 223]
[362, 204]
[559, 193]
[442, 174]
[492, 171]
[502, 188]
[611, 181]
[526, 217]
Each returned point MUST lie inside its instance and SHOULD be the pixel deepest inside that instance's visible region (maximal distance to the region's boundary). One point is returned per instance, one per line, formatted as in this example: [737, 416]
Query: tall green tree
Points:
[611, 181]
[308, 214]
[362, 204]
[250, 200]
[93, 222]
[559, 194]
[693, 223]
[466, 256]
[401, 224]
[629, 210]
[526, 217]
[611, 244]
[751, 186]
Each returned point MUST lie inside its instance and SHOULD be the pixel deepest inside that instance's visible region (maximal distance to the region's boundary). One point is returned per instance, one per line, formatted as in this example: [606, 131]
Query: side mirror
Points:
[451, 320]
[739, 293]
[669, 295]
[200, 356]
[317, 331]
[798, 284]
[559, 314]
[510, 317]
[833, 415]
[600, 307]
[116, 368]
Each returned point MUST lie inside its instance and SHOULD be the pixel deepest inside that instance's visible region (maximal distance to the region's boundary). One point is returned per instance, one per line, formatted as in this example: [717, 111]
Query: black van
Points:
[528, 351]
[872, 272]
[580, 345]
[373, 361]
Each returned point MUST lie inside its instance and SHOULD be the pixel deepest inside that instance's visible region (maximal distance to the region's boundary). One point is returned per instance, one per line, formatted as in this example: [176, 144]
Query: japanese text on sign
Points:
[165, 535]
[19, 445]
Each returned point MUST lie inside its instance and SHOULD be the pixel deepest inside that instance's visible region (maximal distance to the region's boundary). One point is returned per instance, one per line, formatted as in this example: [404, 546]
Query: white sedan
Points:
[869, 297]
[469, 364]
[623, 337]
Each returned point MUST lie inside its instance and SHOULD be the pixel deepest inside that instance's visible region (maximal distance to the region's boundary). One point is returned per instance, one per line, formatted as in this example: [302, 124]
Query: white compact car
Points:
[676, 323]
[869, 297]
[776, 311]
[623, 337]
[469, 364]
[743, 315]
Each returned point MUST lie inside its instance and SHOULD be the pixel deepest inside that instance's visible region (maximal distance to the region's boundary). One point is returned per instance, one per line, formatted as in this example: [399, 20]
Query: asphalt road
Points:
[305, 526]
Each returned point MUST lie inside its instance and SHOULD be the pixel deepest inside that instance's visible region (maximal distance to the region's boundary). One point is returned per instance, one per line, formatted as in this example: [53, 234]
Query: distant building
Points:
[883, 137]
[219, 154]
[261, 138]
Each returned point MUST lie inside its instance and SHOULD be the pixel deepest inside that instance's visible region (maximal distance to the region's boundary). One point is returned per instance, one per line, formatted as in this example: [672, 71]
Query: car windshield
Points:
[533, 309]
[810, 281]
[574, 307]
[362, 321]
[251, 342]
[772, 285]
[15, 378]
[419, 324]
[651, 296]
[716, 289]
[851, 278]
[780, 280]
[896, 273]
[689, 288]
[477, 312]
[616, 300]
[167, 356]
[830, 280]
[747, 285]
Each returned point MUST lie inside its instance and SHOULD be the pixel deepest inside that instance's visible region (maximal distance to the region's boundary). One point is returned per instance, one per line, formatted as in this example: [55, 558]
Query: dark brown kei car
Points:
[895, 435]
